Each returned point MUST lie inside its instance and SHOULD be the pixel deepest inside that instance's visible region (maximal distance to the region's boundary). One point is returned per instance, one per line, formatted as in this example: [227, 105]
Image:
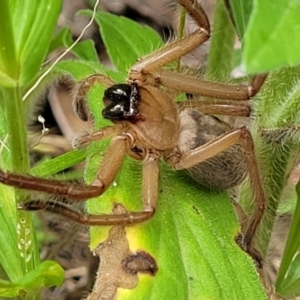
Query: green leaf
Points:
[191, 234]
[80, 69]
[63, 38]
[275, 144]
[291, 285]
[8, 238]
[190, 225]
[85, 50]
[5, 80]
[277, 102]
[59, 163]
[38, 20]
[241, 11]
[128, 37]
[47, 274]
[26, 29]
[77, 69]
[219, 64]
[191, 238]
[8, 67]
[272, 38]
[288, 280]
[8, 217]
[26, 24]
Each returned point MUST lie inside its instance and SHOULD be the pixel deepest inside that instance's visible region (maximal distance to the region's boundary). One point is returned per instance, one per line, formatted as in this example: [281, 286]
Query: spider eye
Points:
[116, 99]
[121, 101]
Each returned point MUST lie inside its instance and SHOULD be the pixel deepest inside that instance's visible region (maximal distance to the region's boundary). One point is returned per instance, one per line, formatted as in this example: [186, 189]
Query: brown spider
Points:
[149, 126]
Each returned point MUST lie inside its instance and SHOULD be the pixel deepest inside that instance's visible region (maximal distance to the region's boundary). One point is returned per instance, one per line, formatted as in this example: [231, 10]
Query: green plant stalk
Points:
[16, 124]
[276, 160]
[241, 12]
[274, 179]
[289, 251]
[180, 33]
[278, 164]
[219, 65]
[7, 49]
[181, 24]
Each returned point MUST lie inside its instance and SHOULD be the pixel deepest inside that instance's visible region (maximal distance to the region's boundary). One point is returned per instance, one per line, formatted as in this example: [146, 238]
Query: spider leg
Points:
[80, 192]
[79, 103]
[217, 107]
[176, 49]
[198, 86]
[62, 209]
[52, 186]
[150, 195]
[148, 68]
[215, 147]
[103, 133]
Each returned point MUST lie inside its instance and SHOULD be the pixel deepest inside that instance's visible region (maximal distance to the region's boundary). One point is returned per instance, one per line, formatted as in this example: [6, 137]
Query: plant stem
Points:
[180, 33]
[16, 125]
[276, 157]
[17, 130]
[219, 65]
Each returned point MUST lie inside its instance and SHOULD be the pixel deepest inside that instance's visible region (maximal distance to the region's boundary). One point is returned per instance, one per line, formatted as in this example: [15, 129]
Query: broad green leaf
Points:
[26, 29]
[128, 38]
[5, 80]
[191, 234]
[191, 238]
[25, 24]
[33, 23]
[47, 274]
[273, 35]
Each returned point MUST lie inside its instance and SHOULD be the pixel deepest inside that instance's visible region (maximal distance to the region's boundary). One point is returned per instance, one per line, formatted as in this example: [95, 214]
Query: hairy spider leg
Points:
[211, 149]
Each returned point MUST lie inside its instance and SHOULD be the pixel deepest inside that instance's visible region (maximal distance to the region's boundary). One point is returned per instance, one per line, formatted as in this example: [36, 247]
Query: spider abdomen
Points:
[219, 172]
[222, 171]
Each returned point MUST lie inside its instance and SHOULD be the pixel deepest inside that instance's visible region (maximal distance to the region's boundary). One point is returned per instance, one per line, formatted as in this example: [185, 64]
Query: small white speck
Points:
[28, 257]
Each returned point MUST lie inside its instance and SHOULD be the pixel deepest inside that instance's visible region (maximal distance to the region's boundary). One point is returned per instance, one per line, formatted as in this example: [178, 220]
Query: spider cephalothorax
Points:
[121, 102]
